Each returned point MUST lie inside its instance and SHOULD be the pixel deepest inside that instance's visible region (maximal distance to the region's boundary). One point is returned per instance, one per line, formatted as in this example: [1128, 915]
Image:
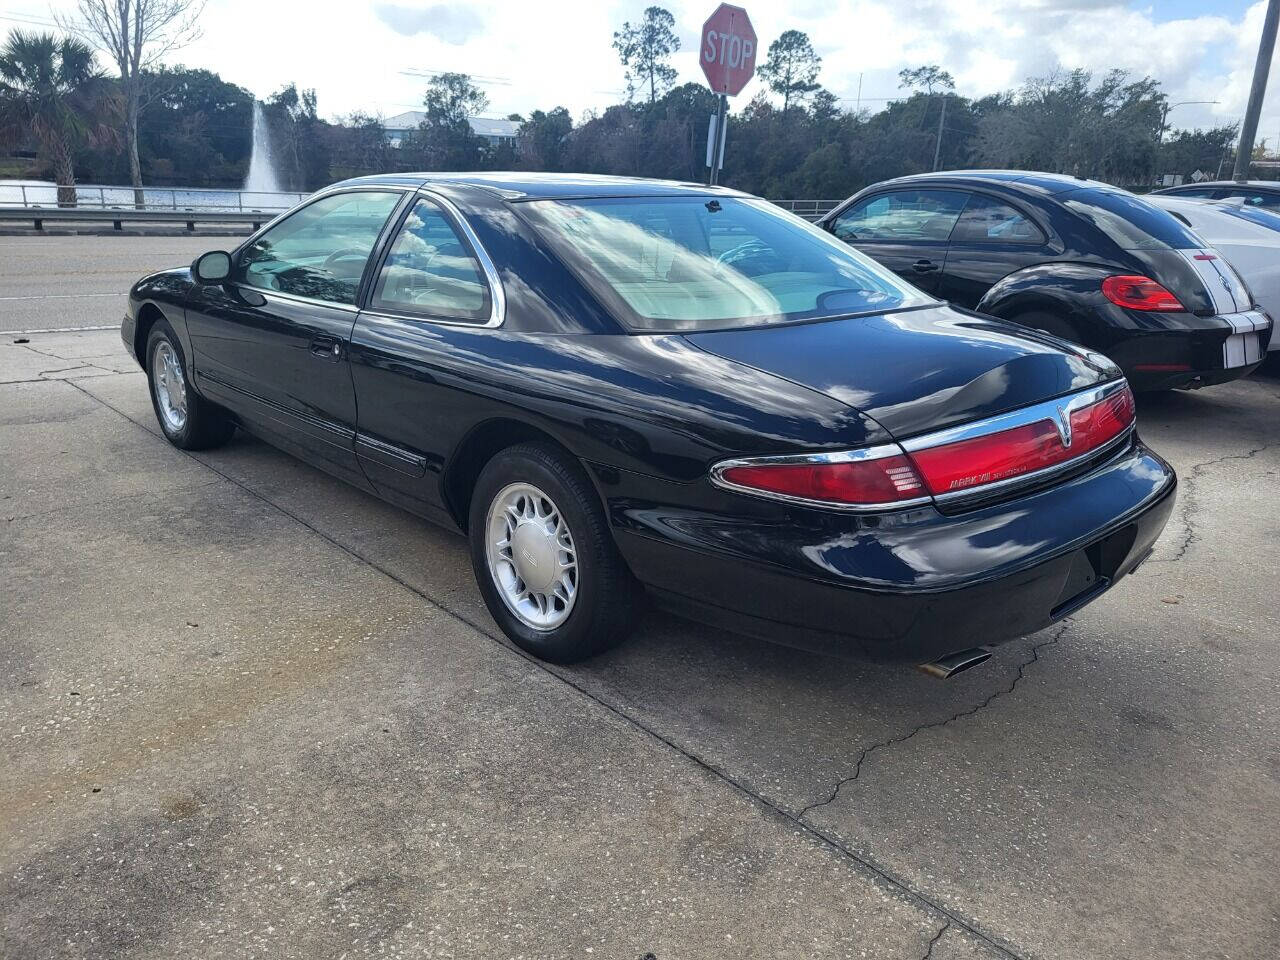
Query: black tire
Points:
[607, 596]
[206, 425]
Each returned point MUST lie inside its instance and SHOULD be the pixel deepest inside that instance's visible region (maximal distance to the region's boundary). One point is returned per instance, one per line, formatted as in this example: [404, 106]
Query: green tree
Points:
[791, 70]
[543, 139]
[1067, 123]
[358, 146]
[299, 137]
[135, 34]
[195, 128]
[51, 90]
[1208, 151]
[444, 140]
[926, 79]
[645, 50]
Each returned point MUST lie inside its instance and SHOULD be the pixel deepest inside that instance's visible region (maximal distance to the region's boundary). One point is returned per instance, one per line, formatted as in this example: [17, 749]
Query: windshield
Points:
[699, 263]
[1132, 223]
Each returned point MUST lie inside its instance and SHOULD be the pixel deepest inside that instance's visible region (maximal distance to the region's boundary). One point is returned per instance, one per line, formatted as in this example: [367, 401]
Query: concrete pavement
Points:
[252, 711]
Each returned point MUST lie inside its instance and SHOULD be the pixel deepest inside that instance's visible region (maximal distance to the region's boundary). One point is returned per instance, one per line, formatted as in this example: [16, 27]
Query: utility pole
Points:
[1256, 94]
[942, 119]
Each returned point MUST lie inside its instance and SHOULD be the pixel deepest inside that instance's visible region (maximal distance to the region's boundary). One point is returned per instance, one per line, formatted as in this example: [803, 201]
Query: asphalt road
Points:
[249, 711]
[60, 282]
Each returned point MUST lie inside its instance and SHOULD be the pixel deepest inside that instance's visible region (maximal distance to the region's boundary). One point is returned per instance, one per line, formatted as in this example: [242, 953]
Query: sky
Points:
[375, 56]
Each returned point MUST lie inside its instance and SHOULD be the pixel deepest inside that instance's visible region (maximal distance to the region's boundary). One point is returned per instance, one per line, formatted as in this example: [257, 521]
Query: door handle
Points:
[326, 348]
[924, 266]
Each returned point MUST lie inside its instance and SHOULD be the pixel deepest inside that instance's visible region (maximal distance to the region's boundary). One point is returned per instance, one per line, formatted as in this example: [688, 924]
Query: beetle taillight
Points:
[1140, 293]
[849, 483]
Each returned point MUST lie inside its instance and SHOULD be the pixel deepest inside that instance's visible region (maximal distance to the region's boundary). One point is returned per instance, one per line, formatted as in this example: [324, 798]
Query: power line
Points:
[28, 19]
[480, 78]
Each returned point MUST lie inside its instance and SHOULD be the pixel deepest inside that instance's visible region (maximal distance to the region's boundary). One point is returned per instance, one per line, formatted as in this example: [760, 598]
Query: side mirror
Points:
[212, 267]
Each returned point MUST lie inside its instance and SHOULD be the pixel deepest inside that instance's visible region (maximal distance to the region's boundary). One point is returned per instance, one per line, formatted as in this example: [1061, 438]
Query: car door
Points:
[435, 297]
[272, 343]
[992, 238]
[906, 230]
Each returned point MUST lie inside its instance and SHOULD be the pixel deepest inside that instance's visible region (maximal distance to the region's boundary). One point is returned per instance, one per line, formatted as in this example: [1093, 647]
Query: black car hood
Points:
[916, 370]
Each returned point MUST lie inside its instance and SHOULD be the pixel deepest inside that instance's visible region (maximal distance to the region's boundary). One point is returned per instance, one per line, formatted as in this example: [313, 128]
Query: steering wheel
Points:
[744, 251]
[337, 255]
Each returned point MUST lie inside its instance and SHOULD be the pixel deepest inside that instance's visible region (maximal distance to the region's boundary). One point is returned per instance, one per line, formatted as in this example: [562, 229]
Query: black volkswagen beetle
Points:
[1079, 259]
[619, 388]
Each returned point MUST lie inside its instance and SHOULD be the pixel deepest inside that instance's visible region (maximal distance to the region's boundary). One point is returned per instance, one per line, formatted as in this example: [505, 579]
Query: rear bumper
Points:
[910, 587]
[1212, 350]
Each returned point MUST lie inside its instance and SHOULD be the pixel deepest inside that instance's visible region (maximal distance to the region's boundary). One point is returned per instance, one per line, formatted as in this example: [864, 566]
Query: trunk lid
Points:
[916, 371]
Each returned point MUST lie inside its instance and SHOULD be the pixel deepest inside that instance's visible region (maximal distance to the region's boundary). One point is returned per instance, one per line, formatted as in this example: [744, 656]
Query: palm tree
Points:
[51, 90]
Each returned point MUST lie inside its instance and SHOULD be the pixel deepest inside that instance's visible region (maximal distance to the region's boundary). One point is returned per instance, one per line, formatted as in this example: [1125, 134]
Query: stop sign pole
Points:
[728, 57]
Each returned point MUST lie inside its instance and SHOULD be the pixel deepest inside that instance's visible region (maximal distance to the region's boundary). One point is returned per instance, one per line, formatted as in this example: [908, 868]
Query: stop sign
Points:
[728, 55]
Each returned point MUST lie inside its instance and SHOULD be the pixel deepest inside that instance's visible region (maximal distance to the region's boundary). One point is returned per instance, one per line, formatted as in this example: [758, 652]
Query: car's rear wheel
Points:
[187, 420]
[1049, 323]
[544, 558]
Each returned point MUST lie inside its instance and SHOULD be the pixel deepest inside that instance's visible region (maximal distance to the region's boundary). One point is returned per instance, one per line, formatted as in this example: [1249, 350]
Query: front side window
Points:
[904, 215]
[1270, 201]
[319, 252]
[431, 270]
[1130, 222]
[699, 263]
[986, 220]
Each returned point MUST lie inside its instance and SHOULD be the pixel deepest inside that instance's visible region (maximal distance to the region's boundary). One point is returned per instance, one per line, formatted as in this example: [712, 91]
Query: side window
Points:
[1203, 193]
[432, 271]
[320, 251]
[1268, 200]
[986, 220]
[903, 215]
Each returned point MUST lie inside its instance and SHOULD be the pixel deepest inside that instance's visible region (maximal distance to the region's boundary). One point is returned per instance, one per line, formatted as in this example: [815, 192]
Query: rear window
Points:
[1262, 217]
[1130, 222]
[703, 263]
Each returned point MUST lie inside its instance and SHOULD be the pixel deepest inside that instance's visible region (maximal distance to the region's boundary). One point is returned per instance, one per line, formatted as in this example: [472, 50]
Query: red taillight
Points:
[1140, 293]
[885, 480]
[952, 462]
[1003, 455]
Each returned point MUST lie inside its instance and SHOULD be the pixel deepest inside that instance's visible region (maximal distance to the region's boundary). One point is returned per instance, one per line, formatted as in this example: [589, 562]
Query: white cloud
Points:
[452, 24]
[542, 53]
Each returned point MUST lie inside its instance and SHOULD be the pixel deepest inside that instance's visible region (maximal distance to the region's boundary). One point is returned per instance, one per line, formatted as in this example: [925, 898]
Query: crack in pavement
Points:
[1190, 504]
[878, 874]
[934, 942]
[892, 741]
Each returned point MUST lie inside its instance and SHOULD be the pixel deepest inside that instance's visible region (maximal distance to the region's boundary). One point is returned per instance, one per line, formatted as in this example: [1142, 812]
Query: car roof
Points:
[545, 186]
[1027, 181]
[1259, 218]
[1272, 185]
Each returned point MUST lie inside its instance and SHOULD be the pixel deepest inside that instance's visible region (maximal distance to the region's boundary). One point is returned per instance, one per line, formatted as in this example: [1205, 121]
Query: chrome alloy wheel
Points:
[171, 386]
[531, 556]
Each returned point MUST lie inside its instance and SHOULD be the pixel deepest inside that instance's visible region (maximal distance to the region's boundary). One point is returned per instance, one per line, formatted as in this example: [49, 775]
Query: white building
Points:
[494, 132]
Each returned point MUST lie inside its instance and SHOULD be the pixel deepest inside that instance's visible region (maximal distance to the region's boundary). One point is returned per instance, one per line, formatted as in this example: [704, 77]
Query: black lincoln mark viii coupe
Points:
[626, 388]
[1076, 258]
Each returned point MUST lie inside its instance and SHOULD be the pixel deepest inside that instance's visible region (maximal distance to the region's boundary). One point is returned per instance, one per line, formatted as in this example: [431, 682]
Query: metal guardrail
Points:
[37, 216]
[174, 199]
[809, 209]
[189, 205]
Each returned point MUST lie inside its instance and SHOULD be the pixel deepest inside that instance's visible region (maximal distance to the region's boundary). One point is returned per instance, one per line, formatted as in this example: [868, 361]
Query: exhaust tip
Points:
[947, 667]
